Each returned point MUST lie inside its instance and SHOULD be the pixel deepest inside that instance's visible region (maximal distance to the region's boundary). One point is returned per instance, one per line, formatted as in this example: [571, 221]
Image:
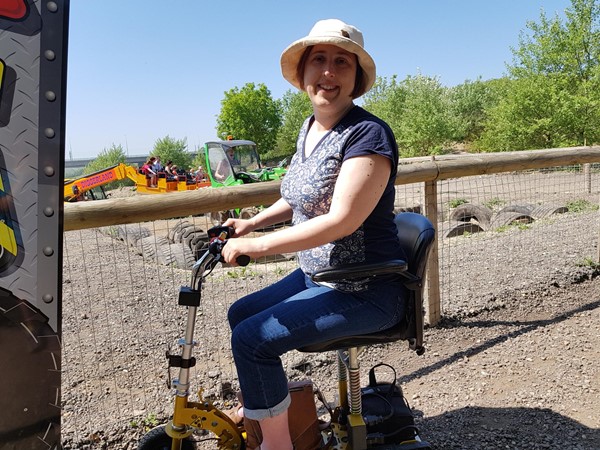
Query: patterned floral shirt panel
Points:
[309, 183]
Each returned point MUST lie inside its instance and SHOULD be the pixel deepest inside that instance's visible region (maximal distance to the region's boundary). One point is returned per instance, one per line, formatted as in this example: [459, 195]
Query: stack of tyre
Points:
[180, 248]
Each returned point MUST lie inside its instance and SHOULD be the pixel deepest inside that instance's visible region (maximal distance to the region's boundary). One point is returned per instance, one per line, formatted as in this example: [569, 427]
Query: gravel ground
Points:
[513, 365]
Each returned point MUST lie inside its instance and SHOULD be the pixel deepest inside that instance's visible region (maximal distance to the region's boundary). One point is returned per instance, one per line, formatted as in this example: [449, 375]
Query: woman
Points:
[339, 193]
[149, 172]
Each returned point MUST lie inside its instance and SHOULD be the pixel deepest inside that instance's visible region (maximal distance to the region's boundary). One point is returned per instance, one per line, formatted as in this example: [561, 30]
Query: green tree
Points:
[386, 99]
[557, 91]
[295, 108]
[571, 48]
[426, 123]
[468, 104]
[529, 116]
[418, 111]
[175, 150]
[250, 113]
[108, 158]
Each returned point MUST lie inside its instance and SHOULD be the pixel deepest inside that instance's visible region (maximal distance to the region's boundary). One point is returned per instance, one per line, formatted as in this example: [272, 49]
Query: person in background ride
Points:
[191, 176]
[169, 170]
[174, 172]
[339, 193]
[149, 172]
[200, 174]
[181, 173]
[157, 166]
[224, 167]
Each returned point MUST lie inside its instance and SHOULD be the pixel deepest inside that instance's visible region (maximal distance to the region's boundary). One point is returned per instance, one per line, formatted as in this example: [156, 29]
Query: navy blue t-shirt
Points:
[309, 183]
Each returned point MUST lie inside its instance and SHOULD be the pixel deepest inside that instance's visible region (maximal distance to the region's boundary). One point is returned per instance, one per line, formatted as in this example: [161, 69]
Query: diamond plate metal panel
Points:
[33, 56]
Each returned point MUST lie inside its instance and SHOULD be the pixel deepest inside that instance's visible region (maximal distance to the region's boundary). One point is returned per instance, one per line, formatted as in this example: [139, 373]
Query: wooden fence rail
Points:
[143, 208]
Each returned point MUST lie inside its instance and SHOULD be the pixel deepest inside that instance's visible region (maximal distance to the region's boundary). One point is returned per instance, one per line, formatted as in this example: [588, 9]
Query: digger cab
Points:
[235, 162]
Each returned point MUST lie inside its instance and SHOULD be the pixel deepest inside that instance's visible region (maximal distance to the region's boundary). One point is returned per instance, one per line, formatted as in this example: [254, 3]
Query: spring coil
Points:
[355, 394]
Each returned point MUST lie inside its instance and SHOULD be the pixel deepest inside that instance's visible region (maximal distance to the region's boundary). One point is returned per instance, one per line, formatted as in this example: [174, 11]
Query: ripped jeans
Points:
[290, 314]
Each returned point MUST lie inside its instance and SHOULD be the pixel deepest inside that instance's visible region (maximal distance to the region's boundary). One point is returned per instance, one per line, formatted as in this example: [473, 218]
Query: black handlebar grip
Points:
[230, 232]
[242, 260]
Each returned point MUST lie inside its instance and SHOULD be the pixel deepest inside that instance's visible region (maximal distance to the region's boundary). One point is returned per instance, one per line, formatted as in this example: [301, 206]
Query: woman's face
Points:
[329, 76]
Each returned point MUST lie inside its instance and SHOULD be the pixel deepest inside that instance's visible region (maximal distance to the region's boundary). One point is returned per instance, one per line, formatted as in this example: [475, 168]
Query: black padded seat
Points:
[416, 234]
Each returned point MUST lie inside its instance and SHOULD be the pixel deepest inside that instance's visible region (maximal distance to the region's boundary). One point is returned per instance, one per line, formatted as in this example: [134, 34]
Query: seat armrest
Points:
[359, 270]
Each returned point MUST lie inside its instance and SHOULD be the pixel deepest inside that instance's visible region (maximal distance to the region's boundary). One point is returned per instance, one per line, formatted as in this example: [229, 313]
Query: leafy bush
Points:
[109, 158]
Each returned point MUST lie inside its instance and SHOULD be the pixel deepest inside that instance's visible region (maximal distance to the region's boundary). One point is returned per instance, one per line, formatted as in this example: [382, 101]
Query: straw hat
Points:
[332, 32]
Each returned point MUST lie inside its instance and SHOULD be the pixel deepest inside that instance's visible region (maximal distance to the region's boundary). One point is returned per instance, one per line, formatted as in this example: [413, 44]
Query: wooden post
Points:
[587, 176]
[432, 283]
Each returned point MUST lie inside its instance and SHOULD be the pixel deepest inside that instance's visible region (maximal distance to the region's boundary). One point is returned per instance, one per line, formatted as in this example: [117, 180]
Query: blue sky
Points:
[140, 70]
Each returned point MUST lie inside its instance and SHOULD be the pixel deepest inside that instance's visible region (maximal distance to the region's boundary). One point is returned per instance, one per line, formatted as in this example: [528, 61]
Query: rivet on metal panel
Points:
[48, 298]
[48, 211]
[49, 171]
[48, 251]
[49, 133]
[52, 7]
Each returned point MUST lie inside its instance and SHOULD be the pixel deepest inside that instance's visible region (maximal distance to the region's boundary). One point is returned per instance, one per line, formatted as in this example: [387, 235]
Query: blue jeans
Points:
[290, 314]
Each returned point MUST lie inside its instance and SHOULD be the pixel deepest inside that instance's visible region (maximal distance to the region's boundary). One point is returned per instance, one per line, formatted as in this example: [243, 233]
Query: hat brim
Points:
[290, 58]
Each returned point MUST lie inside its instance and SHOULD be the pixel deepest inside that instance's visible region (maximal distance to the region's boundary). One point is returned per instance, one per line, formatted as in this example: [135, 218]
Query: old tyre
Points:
[218, 217]
[192, 239]
[132, 233]
[199, 247]
[182, 257]
[468, 212]
[158, 439]
[171, 235]
[248, 213]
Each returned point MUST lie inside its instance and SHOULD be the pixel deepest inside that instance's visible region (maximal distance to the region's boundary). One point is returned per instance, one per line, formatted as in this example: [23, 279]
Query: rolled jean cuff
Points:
[260, 414]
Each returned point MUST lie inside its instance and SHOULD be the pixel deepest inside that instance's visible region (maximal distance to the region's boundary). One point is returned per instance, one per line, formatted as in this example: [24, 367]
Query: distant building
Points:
[80, 163]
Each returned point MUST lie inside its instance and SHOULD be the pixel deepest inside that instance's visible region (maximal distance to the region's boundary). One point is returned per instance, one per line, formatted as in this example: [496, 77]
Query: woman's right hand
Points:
[241, 226]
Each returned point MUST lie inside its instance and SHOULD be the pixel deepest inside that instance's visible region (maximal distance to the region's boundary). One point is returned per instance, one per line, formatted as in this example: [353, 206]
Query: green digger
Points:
[235, 162]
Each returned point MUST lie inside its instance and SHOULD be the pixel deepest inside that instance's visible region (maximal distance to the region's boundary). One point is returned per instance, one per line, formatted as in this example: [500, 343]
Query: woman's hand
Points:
[241, 226]
[236, 247]
[241, 246]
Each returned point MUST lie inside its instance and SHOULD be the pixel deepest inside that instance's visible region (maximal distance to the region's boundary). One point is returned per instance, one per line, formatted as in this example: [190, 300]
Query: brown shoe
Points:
[236, 414]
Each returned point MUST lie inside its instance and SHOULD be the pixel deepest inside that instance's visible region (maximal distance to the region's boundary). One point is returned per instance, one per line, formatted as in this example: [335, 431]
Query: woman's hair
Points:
[302, 65]
[358, 82]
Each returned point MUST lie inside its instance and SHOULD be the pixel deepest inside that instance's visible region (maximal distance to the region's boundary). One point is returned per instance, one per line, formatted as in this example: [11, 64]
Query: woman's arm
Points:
[222, 170]
[278, 212]
[359, 187]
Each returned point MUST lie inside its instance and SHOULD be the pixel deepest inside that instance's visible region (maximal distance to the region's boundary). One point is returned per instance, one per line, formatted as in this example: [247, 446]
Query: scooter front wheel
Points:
[158, 439]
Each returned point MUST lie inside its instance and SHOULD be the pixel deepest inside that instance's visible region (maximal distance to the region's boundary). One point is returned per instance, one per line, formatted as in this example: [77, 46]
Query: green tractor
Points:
[235, 162]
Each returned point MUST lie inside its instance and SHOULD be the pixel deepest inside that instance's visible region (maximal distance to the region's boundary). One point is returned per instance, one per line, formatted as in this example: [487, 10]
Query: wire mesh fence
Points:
[492, 227]
[497, 234]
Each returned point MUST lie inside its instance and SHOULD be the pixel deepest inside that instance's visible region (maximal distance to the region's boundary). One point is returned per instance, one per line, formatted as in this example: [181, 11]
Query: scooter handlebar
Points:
[218, 238]
[242, 260]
